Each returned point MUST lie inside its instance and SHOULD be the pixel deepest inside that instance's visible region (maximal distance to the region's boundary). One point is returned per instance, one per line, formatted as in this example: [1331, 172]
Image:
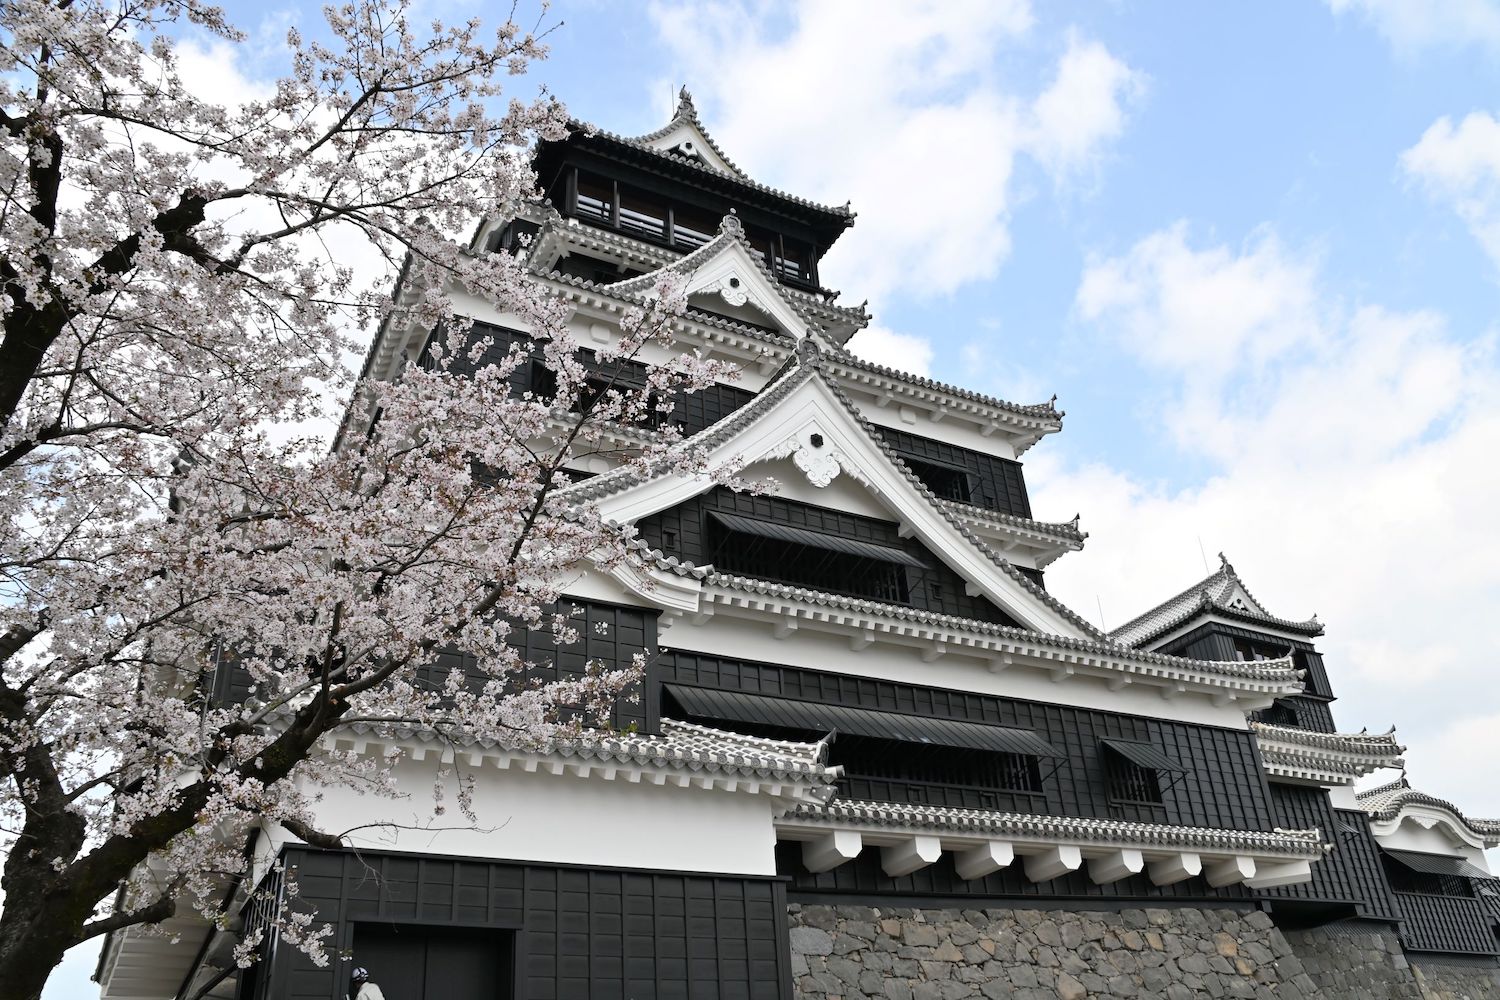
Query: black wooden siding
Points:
[1454, 925]
[611, 634]
[683, 531]
[589, 934]
[1215, 641]
[996, 483]
[692, 412]
[1224, 786]
[1351, 872]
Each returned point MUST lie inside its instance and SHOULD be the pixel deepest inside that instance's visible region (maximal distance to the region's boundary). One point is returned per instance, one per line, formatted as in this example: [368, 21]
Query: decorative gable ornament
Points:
[818, 462]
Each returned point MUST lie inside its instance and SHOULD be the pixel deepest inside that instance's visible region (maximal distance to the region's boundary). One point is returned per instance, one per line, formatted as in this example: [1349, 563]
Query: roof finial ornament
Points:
[808, 352]
[731, 224]
[684, 101]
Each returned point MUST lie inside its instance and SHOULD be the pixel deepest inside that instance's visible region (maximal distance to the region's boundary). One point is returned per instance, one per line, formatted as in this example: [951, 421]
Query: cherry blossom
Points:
[178, 314]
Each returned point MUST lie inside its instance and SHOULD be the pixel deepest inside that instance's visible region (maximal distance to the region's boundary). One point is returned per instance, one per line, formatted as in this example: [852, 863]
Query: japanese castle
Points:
[871, 755]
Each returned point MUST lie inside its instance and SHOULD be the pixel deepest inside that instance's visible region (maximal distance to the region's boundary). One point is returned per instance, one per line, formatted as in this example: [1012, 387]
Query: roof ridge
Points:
[687, 112]
[845, 356]
[1212, 595]
[1386, 801]
[1266, 670]
[935, 503]
[590, 129]
[1301, 843]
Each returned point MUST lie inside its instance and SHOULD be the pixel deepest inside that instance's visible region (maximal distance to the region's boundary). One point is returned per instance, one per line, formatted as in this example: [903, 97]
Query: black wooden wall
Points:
[1224, 786]
[611, 634]
[1310, 710]
[576, 934]
[998, 482]
[683, 531]
[692, 412]
[1349, 874]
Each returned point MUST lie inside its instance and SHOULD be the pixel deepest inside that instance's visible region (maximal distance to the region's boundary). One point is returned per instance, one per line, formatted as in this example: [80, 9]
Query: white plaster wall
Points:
[564, 819]
[844, 493]
[1412, 836]
[750, 640]
[1342, 797]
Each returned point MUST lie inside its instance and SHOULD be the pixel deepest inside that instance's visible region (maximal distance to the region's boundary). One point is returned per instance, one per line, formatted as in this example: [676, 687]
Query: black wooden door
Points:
[412, 962]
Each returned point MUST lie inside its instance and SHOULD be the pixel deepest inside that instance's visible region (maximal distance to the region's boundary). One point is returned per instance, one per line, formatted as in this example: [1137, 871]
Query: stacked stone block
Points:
[896, 953]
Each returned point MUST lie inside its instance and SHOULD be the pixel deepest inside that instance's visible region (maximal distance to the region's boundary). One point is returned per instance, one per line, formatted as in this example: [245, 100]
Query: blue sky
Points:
[1254, 249]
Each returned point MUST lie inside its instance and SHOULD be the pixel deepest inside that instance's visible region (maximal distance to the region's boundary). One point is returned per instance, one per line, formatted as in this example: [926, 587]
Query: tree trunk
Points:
[34, 935]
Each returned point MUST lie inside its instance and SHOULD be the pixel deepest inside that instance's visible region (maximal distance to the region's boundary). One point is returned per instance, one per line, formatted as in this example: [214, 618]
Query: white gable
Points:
[737, 278]
[824, 442]
[727, 268]
[682, 136]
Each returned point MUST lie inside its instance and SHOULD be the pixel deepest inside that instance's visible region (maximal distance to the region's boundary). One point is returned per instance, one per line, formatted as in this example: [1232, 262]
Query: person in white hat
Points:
[361, 988]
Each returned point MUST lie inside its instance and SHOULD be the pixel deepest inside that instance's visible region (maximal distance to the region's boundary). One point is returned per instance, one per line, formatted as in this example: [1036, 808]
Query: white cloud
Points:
[1083, 107]
[1412, 25]
[901, 109]
[1460, 165]
[894, 350]
[1355, 477]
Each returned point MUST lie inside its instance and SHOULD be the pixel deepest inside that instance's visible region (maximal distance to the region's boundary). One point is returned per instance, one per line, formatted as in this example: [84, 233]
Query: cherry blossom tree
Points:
[179, 317]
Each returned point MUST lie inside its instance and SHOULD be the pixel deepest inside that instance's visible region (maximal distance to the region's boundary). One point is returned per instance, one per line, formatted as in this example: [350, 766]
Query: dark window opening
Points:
[1132, 783]
[596, 199]
[804, 565]
[1247, 652]
[692, 227]
[513, 237]
[944, 480]
[1404, 879]
[1137, 773]
[435, 963]
[874, 758]
[886, 771]
[1281, 713]
[682, 226]
[642, 216]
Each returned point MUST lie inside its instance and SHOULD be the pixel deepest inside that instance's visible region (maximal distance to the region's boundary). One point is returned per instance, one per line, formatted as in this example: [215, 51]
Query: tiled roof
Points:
[807, 366]
[687, 113]
[1061, 533]
[639, 143]
[1387, 801]
[1279, 677]
[1335, 758]
[1042, 417]
[1046, 412]
[580, 233]
[1210, 595]
[1293, 844]
[681, 745]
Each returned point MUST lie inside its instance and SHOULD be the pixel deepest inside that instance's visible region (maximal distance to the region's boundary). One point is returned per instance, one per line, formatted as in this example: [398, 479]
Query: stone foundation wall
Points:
[895, 953]
[899, 953]
[1354, 961]
[1443, 981]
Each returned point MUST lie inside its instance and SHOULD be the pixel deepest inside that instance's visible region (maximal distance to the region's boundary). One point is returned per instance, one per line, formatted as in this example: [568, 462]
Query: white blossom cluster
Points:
[177, 304]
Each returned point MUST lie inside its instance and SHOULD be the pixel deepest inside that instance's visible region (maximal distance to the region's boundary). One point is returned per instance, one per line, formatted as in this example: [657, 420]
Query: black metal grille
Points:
[943, 480]
[1129, 782]
[1406, 879]
[938, 776]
